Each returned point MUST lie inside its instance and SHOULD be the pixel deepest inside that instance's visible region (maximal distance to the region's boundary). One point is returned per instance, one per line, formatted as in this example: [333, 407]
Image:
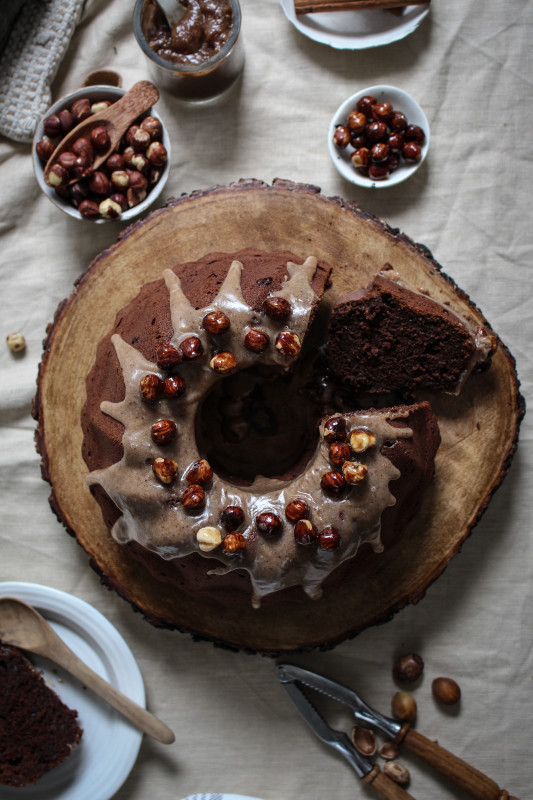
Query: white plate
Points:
[356, 30]
[400, 101]
[109, 746]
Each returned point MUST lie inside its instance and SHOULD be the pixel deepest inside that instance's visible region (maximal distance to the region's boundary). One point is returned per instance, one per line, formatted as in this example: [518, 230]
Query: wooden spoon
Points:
[117, 118]
[22, 626]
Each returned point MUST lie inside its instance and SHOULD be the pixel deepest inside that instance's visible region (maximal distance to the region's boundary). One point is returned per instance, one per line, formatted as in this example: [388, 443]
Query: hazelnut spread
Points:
[173, 504]
[199, 35]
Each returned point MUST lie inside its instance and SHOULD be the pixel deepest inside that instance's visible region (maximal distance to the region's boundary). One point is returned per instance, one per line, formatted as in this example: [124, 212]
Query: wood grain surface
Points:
[479, 428]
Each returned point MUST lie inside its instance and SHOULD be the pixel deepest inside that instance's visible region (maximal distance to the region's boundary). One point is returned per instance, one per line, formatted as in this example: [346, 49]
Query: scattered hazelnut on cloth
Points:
[16, 342]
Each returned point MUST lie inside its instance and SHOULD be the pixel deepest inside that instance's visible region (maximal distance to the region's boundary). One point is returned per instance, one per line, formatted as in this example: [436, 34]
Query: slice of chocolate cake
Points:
[37, 730]
[388, 338]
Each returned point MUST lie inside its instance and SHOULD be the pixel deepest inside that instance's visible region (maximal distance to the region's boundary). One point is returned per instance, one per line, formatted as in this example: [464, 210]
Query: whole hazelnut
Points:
[216, 322]
[408, 668]
[100, 105]
[153, 126]
[223, 363]
[379, 152]
[138, 181]
[57, 175]
[156, 153]
[256, 341]
[208, 538]
[67, 159]
[288, 343]
[233, 544]
[135, 196]
[150, 387]
[199, 472]
[140, 163]
[356, 122]
[341, 136]
[174, 387]
[412, 152]
[165, 470]
[163, 431]
[396, 142]
[277, 308]
[109, 209]
[99, 137]
[268, 524]
[382, 111]
[120, 178]
[446, 691]
[329, 538]
[137, 138]
[83, 147]
[398, 122]
[167, 356]
[120, 199]
[114, 161]
[99, 183]
[365, 104]
[305, 532]
[397, 772]
[232, 517]
[404, 706]
[376, 132]
[333, 483]
[297, 509]
[378, 172]
[191, 348]
[339, 452]
[193, 497]
[353, 472]
[335, 430]
[414, 133]
[360, 158]
[361, 440]
[44, 148]
[16, 342]
[52, 126]
[89, 209]
[81, 109]
[66, 119]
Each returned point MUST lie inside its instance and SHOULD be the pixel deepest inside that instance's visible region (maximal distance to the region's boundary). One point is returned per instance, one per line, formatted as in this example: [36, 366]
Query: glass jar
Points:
[187, 77]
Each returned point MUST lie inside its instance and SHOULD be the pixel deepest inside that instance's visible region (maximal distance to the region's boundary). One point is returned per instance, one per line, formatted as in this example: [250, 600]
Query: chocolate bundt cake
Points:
[388, 338]
[37, 730]
[201, 436]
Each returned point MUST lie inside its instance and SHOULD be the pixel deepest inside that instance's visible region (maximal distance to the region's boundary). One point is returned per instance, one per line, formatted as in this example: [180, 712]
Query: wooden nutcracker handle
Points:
[384, 786]
[475, 783]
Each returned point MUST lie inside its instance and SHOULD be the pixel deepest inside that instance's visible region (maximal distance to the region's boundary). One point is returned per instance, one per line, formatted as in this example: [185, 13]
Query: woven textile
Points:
[38, 41]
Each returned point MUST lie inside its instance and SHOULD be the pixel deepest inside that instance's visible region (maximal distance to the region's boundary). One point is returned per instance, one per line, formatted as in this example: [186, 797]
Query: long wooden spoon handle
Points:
[468, 778]
[140, 717]
[142, 96]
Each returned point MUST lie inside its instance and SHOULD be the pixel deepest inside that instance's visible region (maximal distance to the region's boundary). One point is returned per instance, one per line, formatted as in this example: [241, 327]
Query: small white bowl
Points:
[400, 101]
[94, 93]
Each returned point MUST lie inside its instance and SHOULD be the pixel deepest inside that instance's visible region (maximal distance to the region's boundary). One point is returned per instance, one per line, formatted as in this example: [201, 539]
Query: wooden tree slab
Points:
[479, 429]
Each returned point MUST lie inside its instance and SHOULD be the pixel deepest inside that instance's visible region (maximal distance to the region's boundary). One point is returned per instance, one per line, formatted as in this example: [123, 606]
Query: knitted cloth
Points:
[37, 42]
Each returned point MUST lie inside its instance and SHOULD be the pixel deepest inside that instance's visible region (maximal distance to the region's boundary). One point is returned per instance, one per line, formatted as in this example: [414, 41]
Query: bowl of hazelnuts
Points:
[125, 184]
[378, 137]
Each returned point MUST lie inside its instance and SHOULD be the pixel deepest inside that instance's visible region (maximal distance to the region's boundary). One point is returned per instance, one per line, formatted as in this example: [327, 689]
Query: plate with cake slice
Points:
[103, 757]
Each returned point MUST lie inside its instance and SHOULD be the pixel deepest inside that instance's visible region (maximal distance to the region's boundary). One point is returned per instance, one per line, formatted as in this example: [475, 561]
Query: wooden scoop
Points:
[22, 626]
[117, 118]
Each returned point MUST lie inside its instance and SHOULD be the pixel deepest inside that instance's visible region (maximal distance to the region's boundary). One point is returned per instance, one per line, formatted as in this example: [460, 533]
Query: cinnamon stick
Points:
[314, 6]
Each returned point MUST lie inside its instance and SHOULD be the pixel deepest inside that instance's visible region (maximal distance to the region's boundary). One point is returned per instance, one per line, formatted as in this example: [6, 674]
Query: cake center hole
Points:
[259, 421]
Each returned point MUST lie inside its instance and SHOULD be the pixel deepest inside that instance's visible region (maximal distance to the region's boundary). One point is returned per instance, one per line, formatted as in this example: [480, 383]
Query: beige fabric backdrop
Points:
[469, 65]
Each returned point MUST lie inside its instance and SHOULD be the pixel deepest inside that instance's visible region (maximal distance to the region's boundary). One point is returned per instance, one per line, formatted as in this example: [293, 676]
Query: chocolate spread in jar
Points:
[199, 35]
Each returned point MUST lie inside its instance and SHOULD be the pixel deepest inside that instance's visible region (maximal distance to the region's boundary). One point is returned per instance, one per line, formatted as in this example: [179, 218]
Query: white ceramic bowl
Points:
[400, 101]
[98, 92]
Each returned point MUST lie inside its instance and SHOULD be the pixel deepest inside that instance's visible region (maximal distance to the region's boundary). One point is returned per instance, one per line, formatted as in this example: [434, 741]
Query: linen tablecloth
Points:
[470, 67]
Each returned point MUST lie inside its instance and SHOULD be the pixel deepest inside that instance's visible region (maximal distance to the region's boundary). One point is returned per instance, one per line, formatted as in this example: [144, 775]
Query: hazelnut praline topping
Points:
[353, 472]
[288, 343]
[256, 341]
[335, 430]
[174, 387]
[193, 497]
[297, 509]
[233, 544]
[333, 483]
[329, 538]
[208, 538]
[191, 348]
[223, 363]
[150, 387]
[232, 517]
